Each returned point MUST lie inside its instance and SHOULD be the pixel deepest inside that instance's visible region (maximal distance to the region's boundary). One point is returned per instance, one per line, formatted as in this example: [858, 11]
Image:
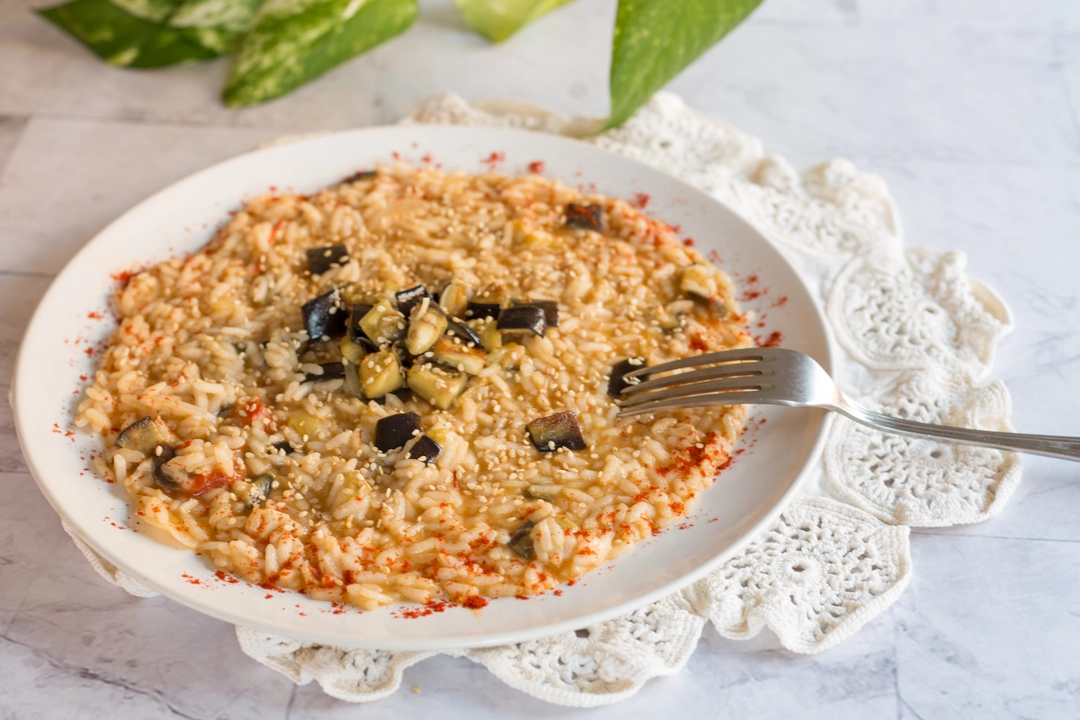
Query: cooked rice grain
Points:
[204, 338]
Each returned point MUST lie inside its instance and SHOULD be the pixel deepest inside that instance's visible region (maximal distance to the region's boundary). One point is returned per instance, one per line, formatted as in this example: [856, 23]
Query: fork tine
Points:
[742, 369]
[749, 397]
[706, 359]
[694, 389]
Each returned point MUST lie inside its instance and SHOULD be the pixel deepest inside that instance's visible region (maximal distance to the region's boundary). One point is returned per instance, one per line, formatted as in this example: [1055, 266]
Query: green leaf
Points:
[155, 11]
[499, 19]
[656, 39]
[232, 15]
[123, 39]
[215, 39]
[294, 41]
[214, 24]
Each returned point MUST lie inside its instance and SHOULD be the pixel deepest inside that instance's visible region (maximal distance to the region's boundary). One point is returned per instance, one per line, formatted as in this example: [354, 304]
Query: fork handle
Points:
[1055, 446]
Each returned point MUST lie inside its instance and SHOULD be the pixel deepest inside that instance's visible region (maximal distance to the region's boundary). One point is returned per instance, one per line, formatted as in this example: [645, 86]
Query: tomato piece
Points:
[208, 481]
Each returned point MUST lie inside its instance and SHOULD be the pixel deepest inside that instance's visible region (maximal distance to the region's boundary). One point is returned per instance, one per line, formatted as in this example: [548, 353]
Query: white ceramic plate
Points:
[54, 355]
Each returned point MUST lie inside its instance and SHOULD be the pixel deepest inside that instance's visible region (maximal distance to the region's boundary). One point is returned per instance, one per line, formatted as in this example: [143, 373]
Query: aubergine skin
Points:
[521, 543]
[260, 489]
[522, 319]
[550, 308]
[410, 298]
[463, 331]
[140, 435]
[403, 393]
[477, 310]
[361, 175]
[324, 316]
[356, 333]
[394, 431]
[617, 381]
[322, 259]
[585, 217]
[555, 432]
[167, 453]
[330, 371]
[425, 448]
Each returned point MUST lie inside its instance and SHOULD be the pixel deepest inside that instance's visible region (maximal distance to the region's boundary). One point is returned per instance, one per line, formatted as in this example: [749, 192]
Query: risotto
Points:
[403, 387]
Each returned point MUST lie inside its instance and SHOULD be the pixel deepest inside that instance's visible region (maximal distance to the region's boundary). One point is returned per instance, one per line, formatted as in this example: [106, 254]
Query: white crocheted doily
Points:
[918, 335]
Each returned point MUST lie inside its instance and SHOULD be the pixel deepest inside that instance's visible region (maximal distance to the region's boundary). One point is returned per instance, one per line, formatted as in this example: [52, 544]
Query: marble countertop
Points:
[969, 109]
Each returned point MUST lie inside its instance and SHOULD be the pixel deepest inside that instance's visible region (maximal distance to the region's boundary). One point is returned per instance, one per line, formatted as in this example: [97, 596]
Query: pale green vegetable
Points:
[656, 39]
[427, 323]
[382, 323]
[294, 41]
[499, 19]
[380, 373]
[438, 386]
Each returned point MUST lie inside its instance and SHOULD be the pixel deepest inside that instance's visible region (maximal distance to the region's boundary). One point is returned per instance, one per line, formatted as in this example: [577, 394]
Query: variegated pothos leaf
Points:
[294, 41]
[656, 39]
[121, 38]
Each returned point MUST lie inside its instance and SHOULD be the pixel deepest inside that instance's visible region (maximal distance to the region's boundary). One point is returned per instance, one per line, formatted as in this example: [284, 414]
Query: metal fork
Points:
[774, 376]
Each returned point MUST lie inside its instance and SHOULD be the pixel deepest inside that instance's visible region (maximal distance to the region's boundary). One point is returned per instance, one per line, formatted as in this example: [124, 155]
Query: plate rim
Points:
[442, 642]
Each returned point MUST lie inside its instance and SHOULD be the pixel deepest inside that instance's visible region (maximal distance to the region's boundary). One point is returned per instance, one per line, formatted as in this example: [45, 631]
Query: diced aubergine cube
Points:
[457, 355]
[162, 475]
[330, 371]
[393, 431]
[426, 325]
[322, 259]
[352, 380]
[351, 352]
[556, 431]
[521, 543]
[696, 280]
[475, 310]
[425, 449]
[617, 381]
[408, 299]
[454, 299]
[284, 446]
[674, 315]
[257, 490]
[585, 217]
[324, 316]
[463, 331]
[550, 308]
[143, 435]
[673, 323]
[438, 386]
[362, 175]
[380, 373]
[490, 338]
[521, 320]
[383, 324]
[407, 358]
[403, 393]
[356, 333]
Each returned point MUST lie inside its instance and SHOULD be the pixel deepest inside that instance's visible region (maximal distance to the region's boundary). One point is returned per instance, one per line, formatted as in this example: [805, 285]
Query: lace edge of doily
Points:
[894, 539]
[851, 624]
